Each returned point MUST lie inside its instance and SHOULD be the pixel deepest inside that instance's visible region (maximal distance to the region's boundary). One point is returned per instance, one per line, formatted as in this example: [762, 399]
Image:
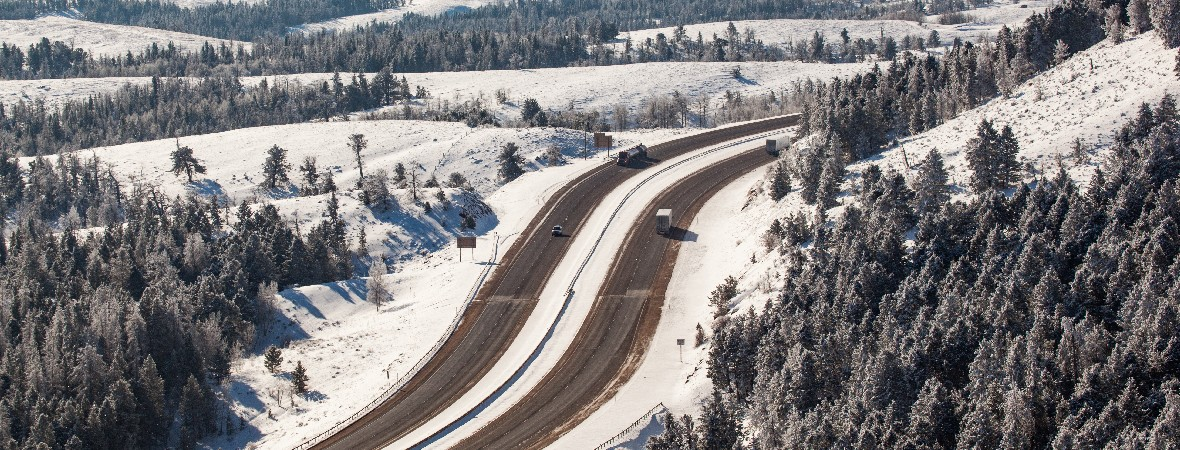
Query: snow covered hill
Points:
[98, 38]
[586, 88]
[1073, 102]
[988, 20]
[1088, 97]
[423, 7]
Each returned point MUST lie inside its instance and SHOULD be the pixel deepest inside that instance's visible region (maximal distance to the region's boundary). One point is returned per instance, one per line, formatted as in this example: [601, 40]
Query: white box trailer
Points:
[663, 221]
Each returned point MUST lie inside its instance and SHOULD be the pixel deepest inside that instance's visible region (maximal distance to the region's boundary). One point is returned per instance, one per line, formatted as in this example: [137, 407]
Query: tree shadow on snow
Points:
[299, 299]
[206, 187]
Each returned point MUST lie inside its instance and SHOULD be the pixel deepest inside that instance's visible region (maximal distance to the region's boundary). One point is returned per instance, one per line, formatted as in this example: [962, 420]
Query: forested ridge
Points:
[1045, 318]
[113, 337]
[510, 35]
[223, 19]
[170, 107]
[1038, 314]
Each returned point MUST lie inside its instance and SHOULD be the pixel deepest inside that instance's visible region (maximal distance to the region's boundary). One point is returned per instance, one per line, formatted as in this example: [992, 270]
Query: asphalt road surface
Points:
[612, 341]
[504, 303]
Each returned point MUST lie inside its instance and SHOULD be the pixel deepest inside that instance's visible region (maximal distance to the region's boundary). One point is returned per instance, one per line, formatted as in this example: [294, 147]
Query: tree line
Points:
[512, 35]
[170, 107]
[242, 21]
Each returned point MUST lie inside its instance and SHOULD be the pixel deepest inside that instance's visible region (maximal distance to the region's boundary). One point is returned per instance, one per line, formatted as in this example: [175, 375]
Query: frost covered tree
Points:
[780, 182]
[511, 163]
[274, 169]
[1165, 18]
[184, 162]
[378, 289]
[1060, 52]
[1114, 23]
[991, 155]
[311, 176]
[357, 143]
[375, 189]
[930, 186]
[1138, 17]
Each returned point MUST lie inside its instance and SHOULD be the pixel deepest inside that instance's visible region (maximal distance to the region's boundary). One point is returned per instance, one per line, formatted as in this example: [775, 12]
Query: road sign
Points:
[466, 241]
[680, 342]
[603, 140]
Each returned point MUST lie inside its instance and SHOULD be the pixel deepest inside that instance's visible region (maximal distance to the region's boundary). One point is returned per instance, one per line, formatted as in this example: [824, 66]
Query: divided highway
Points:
[504, 303]
[612, 341]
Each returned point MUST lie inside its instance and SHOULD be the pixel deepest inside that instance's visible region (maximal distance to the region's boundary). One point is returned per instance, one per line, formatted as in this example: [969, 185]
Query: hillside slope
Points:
[100, 39]
[1075, 103]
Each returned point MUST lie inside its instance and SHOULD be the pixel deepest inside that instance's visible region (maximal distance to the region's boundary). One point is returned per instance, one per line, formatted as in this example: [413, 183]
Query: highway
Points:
[615, 336]
[504, 303]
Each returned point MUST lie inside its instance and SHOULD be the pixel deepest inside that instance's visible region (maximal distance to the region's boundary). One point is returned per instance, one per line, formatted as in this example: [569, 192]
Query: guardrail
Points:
[570, 289]
[401, 381]
[644, 418]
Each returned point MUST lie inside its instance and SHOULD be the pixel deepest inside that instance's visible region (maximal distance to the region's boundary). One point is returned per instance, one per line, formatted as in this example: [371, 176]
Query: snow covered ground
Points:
[422, 7]
[988, 21]
[1088, 97]
[100, 39]
[586, 88]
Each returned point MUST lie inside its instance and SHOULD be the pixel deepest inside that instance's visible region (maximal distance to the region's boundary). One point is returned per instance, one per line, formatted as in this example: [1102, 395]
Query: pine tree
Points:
[780, 182]
[311, 176]
[511, 162]
[829, 183]
[1138, 18]
[1114, 23]
[357, 143]
[721, 296]
[1165, 17]
[992, 158]
[184, 162]
[273, 359]
[299, 379]
[399, 175]
[930, 186]
[457, 180]
[529, 111]
[274, 170]
[150, 396]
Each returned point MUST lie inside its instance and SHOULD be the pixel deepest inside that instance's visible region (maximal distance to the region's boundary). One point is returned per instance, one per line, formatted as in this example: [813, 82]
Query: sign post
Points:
[465, 242]
[680, 343]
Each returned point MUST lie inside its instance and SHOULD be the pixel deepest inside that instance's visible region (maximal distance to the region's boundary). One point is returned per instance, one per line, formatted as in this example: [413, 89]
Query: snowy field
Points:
[422, 7]
[988, 21]
[100, 39]
[586, 88]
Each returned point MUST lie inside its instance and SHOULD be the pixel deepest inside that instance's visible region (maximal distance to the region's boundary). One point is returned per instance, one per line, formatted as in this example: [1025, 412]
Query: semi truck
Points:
[772, 146]
[635, 152]
[663, 221]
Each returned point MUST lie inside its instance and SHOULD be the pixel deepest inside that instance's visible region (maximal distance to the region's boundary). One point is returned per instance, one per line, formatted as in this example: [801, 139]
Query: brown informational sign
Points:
[603, 140]
[466, 241]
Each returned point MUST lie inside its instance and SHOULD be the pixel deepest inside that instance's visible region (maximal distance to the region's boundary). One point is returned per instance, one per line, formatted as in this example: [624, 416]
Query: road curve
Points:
[612, 341]
[504, 303]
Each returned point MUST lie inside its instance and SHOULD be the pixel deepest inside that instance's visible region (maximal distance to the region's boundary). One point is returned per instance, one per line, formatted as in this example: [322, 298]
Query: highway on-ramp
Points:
[504, 303]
